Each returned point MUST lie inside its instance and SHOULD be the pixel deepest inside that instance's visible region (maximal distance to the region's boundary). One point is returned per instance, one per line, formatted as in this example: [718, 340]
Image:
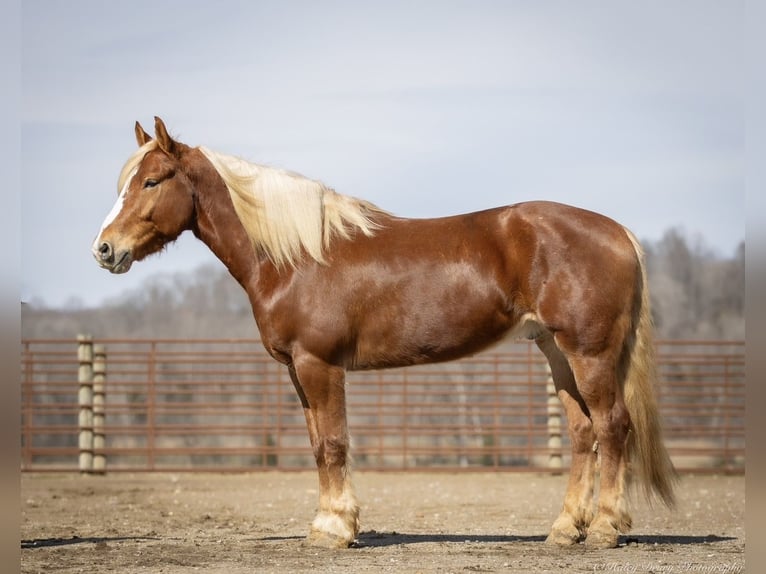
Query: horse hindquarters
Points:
[609, 397]
[642, 444]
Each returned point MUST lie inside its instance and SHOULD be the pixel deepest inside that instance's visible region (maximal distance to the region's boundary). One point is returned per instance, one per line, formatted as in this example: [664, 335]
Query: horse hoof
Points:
[331, 530]
[601, 539]
[565, 532]
[564, 537]
[323, 539]
[561, 539]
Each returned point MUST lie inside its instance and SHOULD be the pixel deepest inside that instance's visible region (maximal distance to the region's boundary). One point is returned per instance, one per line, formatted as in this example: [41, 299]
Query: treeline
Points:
[204, 303]
[696, 294]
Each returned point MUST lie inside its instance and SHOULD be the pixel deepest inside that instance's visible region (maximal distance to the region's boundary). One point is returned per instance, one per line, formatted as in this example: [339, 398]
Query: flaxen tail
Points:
[649, 459]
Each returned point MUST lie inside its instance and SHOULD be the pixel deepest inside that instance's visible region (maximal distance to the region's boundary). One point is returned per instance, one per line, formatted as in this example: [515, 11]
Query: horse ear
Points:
[141, 136]
[166, 143]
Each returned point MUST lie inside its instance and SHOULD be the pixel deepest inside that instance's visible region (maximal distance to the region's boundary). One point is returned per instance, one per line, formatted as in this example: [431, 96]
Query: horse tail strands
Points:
[649, 459]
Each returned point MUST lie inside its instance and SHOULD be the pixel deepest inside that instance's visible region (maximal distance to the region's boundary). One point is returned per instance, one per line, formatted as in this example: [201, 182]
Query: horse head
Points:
[155, 203]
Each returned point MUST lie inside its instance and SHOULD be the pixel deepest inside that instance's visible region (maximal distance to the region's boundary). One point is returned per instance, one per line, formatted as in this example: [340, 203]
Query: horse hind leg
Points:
[322, 392]
[597, 383]
[576, 515]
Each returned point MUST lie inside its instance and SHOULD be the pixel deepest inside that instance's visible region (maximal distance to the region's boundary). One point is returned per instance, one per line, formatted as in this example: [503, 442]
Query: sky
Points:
[631, 109]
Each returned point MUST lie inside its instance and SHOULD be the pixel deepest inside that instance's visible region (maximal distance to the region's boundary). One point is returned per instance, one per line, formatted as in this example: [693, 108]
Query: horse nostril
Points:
[106, 252]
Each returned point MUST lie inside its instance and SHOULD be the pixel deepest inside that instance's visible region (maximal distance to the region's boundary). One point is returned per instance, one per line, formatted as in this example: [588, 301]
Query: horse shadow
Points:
[97, 540]
[374, 539]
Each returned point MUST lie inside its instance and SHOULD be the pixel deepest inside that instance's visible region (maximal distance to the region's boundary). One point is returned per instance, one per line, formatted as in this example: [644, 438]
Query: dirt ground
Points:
[425, 522]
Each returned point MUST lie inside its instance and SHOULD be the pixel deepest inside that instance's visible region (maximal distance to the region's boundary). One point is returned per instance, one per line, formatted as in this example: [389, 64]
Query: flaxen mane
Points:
[287, 215]
[132, 164]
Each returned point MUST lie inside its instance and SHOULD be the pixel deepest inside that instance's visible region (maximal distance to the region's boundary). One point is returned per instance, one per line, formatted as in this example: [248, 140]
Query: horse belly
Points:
[437, 334]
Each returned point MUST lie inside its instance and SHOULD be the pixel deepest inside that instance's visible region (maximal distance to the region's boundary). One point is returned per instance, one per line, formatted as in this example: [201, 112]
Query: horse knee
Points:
[331, 451]
[611, 429]
[619, 421]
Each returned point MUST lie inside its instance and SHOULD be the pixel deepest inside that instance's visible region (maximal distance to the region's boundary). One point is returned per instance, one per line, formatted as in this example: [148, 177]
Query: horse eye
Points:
[150, 183]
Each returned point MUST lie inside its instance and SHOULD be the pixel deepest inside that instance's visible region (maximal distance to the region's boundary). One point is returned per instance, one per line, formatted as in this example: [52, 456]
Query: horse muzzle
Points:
[114, 260]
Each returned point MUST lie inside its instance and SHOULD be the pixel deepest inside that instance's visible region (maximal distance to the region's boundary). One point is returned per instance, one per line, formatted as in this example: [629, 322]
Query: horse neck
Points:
[218, 226]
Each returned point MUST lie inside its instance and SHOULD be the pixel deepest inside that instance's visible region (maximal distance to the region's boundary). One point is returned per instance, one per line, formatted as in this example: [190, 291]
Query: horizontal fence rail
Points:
[225, 405]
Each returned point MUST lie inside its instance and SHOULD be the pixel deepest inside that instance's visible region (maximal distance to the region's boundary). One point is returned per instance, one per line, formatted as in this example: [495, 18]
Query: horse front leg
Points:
[323, 394]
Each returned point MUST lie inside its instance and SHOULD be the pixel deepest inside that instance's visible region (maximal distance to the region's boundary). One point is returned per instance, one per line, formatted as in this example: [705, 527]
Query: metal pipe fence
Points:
[225, 405]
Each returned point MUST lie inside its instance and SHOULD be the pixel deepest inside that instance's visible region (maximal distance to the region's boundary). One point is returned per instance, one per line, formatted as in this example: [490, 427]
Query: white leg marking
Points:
[341, 519]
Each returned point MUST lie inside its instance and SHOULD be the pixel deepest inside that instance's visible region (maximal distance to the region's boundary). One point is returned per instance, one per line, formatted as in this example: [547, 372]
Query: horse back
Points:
[426, 290]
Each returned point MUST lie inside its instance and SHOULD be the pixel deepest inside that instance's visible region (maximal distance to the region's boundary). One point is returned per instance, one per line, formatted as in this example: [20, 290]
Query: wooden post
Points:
[554, 427]
[99, 402]
[85, 401]
[151, 403]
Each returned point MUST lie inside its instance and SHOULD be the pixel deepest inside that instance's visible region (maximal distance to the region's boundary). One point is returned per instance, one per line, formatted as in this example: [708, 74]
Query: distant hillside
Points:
[695, 294]
[205, 303]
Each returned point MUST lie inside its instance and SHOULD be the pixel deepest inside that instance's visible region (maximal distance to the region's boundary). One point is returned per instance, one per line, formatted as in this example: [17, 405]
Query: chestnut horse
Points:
[338, 284]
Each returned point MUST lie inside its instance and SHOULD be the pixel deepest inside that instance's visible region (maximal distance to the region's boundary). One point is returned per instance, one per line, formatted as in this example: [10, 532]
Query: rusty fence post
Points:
[85, 402]
[99, 406]
[555, 461]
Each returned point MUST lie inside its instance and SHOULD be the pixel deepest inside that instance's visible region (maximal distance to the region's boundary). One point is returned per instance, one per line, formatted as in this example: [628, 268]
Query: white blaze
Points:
[117, 208]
